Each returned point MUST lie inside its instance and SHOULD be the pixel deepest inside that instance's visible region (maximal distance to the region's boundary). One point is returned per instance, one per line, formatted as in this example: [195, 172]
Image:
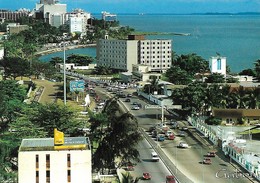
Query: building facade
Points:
[117, 54]
[13, 15]
[218, 65]
[78, 21]
[123, 54]
[42, 161]
[52, 12]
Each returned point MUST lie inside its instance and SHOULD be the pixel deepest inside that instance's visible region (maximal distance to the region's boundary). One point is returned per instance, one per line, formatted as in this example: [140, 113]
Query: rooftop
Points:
[47, 144]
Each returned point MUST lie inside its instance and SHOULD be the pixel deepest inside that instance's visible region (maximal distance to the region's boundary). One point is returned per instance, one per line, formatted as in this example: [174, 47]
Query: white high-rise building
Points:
[51, 10]
[218, 64]
[42, 160]
[123, 54]
[78, 21]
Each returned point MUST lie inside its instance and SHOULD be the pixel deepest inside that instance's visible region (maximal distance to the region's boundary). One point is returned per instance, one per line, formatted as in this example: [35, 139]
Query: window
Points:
[69, 176]
[37, 177]
[37, 161]
[68, 160]
[47, 161]
[218, 64]
[48, 176]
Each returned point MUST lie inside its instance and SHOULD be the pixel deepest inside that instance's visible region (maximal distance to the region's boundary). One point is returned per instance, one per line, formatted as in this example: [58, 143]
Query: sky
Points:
[146, 6]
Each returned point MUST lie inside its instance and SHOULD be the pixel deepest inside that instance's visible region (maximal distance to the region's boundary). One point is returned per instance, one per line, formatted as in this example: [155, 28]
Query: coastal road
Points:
[187, 161]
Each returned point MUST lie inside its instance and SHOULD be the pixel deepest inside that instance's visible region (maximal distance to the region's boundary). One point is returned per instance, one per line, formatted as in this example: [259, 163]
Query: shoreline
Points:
[60, 49]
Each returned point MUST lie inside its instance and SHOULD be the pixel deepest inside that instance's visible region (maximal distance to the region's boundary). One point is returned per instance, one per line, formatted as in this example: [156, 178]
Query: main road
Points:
[186, 164]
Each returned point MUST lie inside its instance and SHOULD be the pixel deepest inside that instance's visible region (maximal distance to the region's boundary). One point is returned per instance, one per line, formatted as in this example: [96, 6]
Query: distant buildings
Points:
[13, 15]
[123, 54]
[15, 28]
[106, 16]
[55, 160]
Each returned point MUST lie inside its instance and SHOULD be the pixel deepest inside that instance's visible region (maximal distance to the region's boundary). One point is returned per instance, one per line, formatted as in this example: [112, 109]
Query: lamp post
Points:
[64, 73]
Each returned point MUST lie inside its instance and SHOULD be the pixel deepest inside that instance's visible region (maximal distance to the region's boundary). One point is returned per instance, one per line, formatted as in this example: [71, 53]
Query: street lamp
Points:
[64, 73]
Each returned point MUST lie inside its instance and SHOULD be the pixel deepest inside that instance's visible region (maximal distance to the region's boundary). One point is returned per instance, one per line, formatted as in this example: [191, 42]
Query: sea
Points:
[236, 37]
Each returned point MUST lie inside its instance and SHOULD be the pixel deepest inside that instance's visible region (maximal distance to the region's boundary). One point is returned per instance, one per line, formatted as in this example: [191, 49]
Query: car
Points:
[211, 154]
[154, 133]
[171, 137]
[155, 156]
[135, 107]
[127, 100]
[134, 103]
[170, 179]
[182, 134]
[207, 161]
[168, 132]
[160, 137]
[175, 125]
[129, 95]
[183, 145]
[146, 176]
[184, 128]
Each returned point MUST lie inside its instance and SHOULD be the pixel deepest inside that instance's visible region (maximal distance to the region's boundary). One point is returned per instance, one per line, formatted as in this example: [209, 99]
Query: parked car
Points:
[185, 128]
[170, 179]
[207, 161]
[146, 176]
[134, 103]
[211, 154]
[154, 133]
[183, 145]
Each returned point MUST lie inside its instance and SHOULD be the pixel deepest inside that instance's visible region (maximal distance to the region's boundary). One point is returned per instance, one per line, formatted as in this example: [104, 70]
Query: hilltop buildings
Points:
[123, 54]
[55, 160]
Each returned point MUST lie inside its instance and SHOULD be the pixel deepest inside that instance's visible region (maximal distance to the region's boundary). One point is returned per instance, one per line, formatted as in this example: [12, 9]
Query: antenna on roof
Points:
[218, 54]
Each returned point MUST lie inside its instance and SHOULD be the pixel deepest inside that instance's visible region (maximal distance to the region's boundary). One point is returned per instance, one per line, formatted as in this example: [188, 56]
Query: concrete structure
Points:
[234, 116]
[117, 54]
[52, 12]
[123, 54]
[47, 160]
[218, 65]
[15, 28]
[72, 66]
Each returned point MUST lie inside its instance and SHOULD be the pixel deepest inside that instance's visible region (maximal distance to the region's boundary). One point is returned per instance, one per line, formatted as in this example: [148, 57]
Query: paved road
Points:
[186, 161]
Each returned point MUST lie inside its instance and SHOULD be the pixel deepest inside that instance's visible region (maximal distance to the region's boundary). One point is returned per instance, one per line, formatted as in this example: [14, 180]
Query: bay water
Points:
[236, 37]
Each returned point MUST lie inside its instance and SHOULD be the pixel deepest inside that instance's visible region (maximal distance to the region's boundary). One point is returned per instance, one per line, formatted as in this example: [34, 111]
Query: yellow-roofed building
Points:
[55, 160]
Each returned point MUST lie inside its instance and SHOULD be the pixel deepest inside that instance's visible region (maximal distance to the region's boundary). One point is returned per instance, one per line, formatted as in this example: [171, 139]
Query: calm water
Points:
[235, 37]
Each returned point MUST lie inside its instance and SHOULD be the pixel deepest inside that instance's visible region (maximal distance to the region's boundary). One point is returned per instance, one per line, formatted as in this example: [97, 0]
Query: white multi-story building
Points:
[218, 65]
[41, 160]
[78, 21]
[1, 52]
[52, 12]
[123, 54]
[156, 53]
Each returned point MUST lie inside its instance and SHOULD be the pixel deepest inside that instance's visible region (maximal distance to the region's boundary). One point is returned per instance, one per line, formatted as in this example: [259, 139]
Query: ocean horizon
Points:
[234, 37]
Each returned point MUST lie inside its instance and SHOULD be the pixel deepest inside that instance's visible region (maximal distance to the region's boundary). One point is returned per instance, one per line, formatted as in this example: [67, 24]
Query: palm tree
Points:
[128, 178]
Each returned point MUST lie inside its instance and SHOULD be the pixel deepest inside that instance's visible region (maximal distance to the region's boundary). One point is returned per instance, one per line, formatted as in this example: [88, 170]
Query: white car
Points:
[183, 145]
[136, 107]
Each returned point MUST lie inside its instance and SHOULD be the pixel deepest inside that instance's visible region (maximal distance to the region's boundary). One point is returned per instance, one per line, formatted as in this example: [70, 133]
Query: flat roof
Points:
[47, 144]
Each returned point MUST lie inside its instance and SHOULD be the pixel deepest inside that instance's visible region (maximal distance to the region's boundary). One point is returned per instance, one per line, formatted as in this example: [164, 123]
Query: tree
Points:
[215, 78]
[128, 178]
[81, 60]
[249, 72]
[15, 66]
[257, 70]
[178, 76]
[118, 140]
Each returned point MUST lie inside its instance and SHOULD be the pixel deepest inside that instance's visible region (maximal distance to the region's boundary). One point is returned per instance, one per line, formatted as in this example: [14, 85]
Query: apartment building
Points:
[123, 54]
[78, 21]
[8, 15]
[55, 160]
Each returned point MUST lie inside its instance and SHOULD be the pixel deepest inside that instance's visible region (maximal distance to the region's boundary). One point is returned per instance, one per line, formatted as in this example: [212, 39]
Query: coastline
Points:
[59, 49]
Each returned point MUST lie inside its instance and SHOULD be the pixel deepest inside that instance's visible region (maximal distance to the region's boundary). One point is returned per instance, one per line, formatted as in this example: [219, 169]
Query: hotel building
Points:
[123, 54]
[55, 160]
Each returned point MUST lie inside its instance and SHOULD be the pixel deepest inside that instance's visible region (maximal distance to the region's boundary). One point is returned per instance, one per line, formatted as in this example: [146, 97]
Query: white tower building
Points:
[218, 65]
